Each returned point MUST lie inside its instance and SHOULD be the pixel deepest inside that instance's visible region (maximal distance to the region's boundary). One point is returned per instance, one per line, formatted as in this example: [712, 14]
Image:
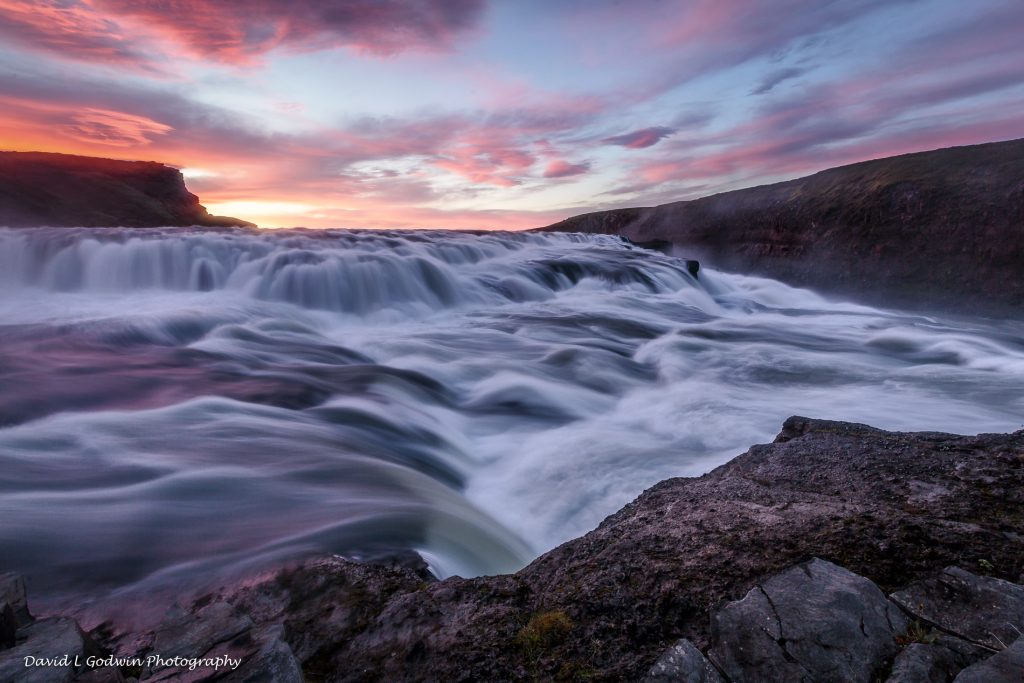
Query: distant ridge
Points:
[64, 190]
[941, 229]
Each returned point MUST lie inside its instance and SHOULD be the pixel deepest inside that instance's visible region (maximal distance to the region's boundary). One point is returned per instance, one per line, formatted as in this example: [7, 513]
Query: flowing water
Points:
[180, 402]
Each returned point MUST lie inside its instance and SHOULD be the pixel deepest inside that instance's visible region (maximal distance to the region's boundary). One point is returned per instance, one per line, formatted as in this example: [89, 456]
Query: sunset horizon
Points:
[477, 115]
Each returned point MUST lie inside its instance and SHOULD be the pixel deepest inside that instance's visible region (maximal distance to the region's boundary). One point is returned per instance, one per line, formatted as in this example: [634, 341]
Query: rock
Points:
[185, 634]
[107, 674]
[54, 645]
[980, 609]
[924, 663]
[8, 626]
[683, 663]
[937, 661]
[894, 508]
[274, 662]
[64, 190]
[12, 591]
[939, 228]
[816, 621]
[1006, 666]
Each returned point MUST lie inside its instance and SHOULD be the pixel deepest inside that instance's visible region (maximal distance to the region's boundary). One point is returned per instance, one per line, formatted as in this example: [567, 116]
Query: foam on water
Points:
[181, 402]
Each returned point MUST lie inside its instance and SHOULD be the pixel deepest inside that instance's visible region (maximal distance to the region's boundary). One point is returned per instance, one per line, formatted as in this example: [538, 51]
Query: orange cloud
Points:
[126, 32]
[114, 128]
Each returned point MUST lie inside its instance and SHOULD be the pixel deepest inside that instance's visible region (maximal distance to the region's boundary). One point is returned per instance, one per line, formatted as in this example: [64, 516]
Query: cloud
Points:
[114, 128]
[71, 29]
[639, 139]
[236, 32]
[771, 80]
[560, 168]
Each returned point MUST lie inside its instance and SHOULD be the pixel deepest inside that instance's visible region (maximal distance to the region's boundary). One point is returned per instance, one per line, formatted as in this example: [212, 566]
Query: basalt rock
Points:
[1006, 666]
[683, 663]
[63, 190]
[815, 621]
[943, 228]
[980, 609]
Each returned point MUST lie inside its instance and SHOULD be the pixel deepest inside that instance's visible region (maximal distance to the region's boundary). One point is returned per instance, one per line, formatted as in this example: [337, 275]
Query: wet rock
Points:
[816, 621]
[55, 648]
[12, 591]
[938, 660]
[274, 662]
[981, 609]
[107, 674]
[8, 626]
[683, 663]
[924, 663]
[1006, 666]
[185, 634]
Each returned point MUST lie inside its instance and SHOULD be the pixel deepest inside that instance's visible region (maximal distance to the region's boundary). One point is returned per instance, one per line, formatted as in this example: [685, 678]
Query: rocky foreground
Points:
[934, 229]
[64, 190]
[837, 553]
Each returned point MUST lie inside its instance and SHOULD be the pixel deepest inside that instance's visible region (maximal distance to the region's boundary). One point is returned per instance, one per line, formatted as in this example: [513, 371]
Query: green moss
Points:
[917, 633]
[544, 631]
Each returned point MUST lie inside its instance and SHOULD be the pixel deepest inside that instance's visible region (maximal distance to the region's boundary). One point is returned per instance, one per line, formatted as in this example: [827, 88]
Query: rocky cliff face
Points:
[935, 229]
[837, 553]
[62, 190]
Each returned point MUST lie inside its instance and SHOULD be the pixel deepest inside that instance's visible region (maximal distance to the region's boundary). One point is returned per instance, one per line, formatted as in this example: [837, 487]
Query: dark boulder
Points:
[1006, 666]
[981, 609]
[815, 621]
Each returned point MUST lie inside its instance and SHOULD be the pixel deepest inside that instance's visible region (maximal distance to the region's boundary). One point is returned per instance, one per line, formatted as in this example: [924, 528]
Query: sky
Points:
[500, 114]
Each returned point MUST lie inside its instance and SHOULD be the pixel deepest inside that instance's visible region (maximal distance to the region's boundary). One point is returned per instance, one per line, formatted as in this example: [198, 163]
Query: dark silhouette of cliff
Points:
[940, 229]
[38, 188]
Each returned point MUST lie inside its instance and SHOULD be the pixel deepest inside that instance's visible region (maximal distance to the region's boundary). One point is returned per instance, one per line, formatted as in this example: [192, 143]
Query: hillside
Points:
[63, 190]
[939, 229]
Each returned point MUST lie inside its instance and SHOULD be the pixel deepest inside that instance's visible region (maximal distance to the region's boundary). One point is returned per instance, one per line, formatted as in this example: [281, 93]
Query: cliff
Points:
[63, 190]
[837, 553]
[939, 229]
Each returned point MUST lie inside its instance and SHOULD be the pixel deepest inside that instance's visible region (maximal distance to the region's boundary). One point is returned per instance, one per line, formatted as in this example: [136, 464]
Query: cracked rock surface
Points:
[814, 622]
[981, 609]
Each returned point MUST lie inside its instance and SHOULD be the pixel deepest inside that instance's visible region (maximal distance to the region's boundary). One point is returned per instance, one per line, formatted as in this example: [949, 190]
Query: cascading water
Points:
[175, 402]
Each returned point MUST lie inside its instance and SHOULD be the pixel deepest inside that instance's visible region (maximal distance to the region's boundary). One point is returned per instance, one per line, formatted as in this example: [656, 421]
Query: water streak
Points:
[179, 401]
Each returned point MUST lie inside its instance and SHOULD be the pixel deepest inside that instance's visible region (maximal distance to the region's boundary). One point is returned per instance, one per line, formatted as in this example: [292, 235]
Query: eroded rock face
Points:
[56, 647]
[12, 592]
[943, 228]
[65, 190]
[815, 621]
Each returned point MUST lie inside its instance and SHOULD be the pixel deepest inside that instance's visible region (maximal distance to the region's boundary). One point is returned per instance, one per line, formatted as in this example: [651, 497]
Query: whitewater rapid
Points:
[174, 403]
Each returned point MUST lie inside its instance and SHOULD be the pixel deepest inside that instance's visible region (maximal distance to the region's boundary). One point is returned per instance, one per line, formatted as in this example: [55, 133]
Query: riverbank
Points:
[837, 514]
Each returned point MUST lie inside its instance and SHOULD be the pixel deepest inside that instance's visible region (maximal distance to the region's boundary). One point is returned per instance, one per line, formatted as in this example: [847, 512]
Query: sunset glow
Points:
[477, 114]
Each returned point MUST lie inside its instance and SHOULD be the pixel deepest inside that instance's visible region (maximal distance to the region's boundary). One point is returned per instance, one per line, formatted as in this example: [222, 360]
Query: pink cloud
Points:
[639, 139]
[560, 168]
[237, 32]
[114, 128]
[74, 29]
